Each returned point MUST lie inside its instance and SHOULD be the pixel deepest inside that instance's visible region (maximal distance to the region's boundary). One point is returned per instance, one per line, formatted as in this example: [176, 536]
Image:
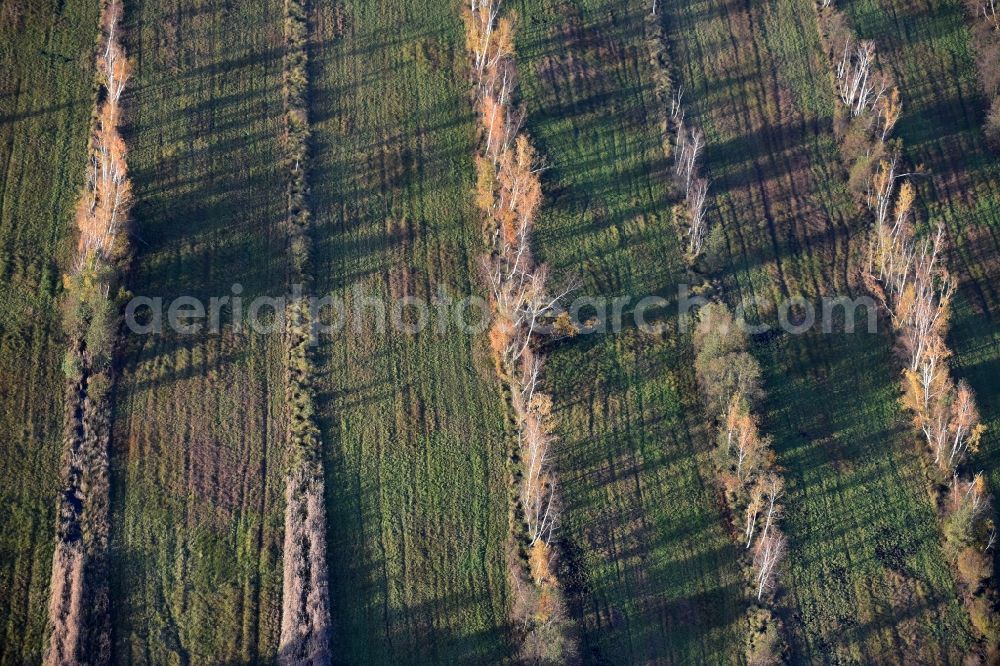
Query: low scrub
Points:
[305, 609]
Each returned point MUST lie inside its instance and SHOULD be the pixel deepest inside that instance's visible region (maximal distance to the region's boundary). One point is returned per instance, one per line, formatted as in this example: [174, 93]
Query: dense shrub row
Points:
[305, 613]
[509, 194]
[909, 278]
[78, 603]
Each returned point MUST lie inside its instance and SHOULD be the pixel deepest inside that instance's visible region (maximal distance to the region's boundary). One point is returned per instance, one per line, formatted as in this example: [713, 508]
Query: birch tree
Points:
[770, 553]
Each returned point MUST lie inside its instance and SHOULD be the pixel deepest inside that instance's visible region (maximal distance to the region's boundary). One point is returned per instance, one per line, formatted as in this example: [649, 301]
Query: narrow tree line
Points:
[305, 608]
[908, 276]
[681, 140]
[729, 380]
[870, 101]
[985, 15]
[509, 194]
[689, 143]
[79, 625]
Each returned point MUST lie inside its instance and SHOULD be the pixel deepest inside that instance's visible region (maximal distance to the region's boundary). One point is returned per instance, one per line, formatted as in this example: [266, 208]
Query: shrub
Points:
[72, 367]
[993, 124]
[763, 642]
[984, 620]
[973, 567]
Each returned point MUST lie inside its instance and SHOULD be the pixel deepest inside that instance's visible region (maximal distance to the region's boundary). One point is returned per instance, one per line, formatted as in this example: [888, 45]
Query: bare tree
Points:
[989, 11]
[696, 142]
[698, 228]
[754, 507]
[676, 111]
[770, 553]
[774, 486]
[860, 87]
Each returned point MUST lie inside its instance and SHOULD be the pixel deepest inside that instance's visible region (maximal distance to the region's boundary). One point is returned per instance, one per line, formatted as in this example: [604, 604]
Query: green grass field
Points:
[46, 96]
[197, 452]
[416, 437]
[865, 578]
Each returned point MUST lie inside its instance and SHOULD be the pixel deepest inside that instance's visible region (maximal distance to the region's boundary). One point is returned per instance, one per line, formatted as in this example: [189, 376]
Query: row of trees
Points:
[729, 381]
[689, 142]
[79, 623]
[871, 103]
[908, 276]
[305, 609]
[985, 16]
[509, 194]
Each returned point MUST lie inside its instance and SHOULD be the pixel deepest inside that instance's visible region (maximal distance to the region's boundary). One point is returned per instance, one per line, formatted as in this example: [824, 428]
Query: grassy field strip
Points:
[199, 421]
[863, 550]
[415, 429]
[46, 99]
[943, 113]
[651, 573]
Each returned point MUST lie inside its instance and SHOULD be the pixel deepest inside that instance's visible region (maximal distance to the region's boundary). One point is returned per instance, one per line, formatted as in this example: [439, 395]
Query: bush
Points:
[763, 643]
[72, 367]
[973, 567]
[984, 620]
[958, 532]
[993, 124]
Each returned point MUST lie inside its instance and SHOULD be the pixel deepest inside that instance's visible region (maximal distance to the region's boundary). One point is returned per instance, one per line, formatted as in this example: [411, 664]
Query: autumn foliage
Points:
[729, 382]
[103, 210]
[508, 194]
[908, 276]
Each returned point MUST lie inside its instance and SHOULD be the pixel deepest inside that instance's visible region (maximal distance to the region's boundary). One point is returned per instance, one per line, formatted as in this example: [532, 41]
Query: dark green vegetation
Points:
[926, 47]
[865, 576]
[415, 429]
[197, 456]
[650, 571]
[46, 97]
